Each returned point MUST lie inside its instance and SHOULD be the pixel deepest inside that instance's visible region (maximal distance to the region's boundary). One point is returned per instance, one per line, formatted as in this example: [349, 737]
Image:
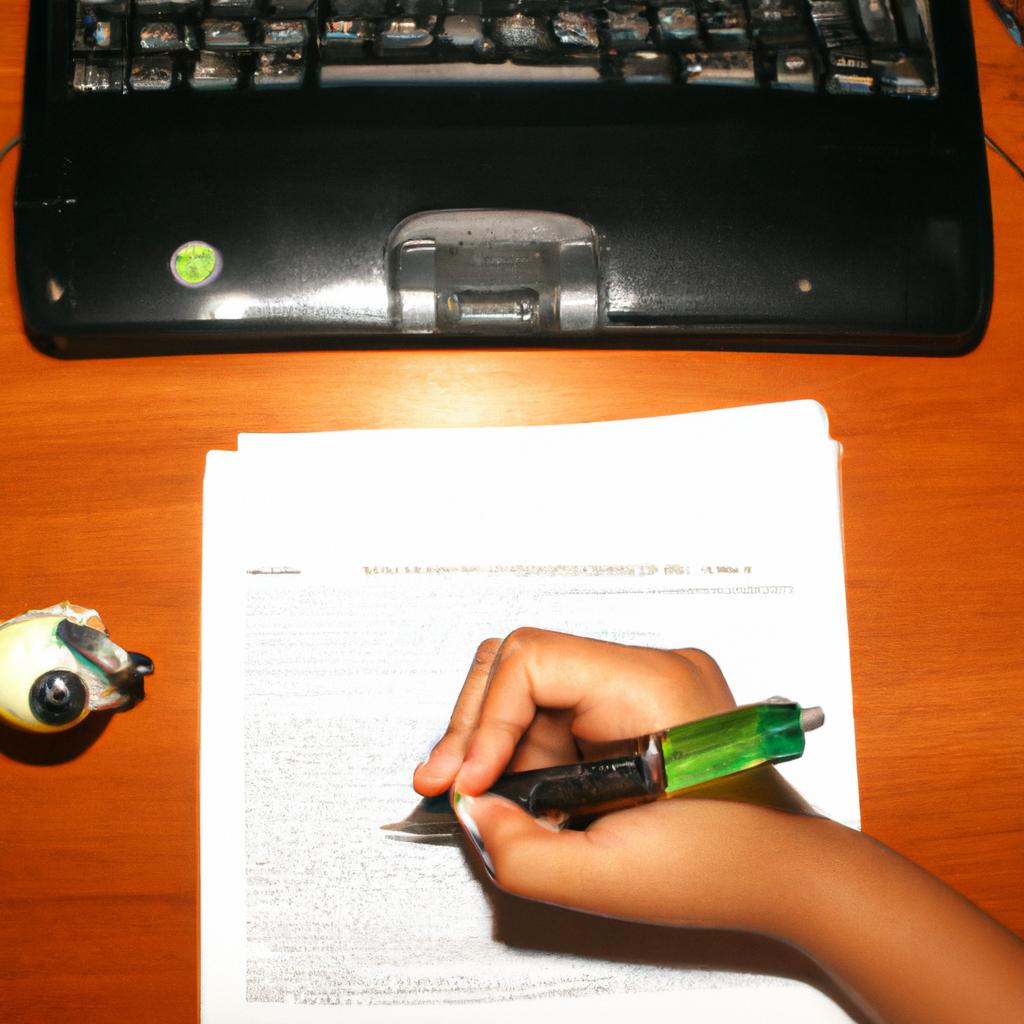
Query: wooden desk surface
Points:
[100, 486]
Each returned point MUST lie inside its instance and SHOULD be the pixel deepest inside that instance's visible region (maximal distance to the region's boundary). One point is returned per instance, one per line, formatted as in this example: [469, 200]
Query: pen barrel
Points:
[722, 745]
[666, 763]
[592, 787]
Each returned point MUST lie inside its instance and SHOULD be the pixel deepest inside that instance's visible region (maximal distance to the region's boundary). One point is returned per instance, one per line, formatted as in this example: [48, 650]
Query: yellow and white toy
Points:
[57, 664]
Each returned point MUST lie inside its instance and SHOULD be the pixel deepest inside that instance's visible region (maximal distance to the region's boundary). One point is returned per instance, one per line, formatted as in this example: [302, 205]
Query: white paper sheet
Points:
[347, 579]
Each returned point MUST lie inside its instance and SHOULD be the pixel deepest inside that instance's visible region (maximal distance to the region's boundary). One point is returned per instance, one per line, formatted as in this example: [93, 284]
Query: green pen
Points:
[660, 766]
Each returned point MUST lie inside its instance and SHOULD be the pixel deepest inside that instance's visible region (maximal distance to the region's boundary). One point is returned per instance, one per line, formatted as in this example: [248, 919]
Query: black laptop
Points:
[204, 175]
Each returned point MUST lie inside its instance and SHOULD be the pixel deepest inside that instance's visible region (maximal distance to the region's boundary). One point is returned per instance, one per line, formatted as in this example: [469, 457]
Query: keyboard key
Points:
[284, 34]
[224, 35]
[281, 69]
[905, 76]
[777, 20]
[718, 68]
[576, 30]
[724, 21]
[465, 32]
[850, 60]
[160, 36]
[677, 24]
[850, 85]
[796, 69]
[877, 20]
[523, 35]
[834, 22]
[94, 34]
[215, 71]
[404, 35]
[97, 76]
[628, 28]
[503, 72]
[152, 74]
[346, 36]
[917, 32]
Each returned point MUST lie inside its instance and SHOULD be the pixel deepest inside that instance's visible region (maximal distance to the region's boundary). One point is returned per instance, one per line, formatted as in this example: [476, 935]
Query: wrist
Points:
[791, 876]
[815, 871]
[759, 876]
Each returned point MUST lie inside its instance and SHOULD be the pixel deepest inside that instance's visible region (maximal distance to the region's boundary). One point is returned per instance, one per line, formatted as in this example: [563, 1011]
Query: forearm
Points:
[906, 947]
[738, 854]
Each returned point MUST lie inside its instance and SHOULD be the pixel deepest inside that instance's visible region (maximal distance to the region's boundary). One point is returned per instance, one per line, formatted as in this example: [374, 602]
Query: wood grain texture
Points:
[100, 502]
[1001, 76]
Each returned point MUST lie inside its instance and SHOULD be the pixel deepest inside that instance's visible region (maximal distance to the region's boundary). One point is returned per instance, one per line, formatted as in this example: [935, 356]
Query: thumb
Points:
[527, 857]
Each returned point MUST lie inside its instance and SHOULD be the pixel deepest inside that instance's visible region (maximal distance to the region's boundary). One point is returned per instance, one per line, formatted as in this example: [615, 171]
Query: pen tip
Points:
[811, 718]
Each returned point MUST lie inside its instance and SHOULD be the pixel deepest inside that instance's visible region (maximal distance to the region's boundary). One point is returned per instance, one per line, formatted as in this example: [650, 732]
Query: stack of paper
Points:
[347, 579]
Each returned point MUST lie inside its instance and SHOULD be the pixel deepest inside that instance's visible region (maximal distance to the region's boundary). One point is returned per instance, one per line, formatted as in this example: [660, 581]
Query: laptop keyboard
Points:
[845, 47]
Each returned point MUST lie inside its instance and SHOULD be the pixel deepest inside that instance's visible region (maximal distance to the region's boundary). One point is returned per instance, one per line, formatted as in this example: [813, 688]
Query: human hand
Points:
[730, 854]
[539, 699]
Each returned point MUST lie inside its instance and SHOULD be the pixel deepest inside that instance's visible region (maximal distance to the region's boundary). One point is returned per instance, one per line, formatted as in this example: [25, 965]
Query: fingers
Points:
[706, 863]
[548, 741]
[435, 775]
[610, 691]
[710, 693]
[525, 857]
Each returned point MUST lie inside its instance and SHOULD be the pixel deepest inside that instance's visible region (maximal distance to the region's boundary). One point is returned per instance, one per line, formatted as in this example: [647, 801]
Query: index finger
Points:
[435, 774]
[614, 692]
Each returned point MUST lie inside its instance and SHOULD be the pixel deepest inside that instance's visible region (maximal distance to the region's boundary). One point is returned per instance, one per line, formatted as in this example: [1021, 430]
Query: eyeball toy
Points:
[57, 664]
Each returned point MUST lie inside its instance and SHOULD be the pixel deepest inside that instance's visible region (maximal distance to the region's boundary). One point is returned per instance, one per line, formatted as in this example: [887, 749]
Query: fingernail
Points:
[552, 822]
[463, 806]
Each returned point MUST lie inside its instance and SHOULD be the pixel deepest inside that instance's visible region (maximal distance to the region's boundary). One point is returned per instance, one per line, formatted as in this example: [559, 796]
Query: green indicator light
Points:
[195, 264]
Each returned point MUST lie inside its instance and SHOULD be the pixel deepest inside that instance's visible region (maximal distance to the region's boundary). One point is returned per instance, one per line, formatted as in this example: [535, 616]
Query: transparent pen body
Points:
[666, 763]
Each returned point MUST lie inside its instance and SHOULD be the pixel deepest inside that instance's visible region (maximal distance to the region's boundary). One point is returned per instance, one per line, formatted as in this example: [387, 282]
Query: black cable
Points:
[10, 145]
[1006, 156]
